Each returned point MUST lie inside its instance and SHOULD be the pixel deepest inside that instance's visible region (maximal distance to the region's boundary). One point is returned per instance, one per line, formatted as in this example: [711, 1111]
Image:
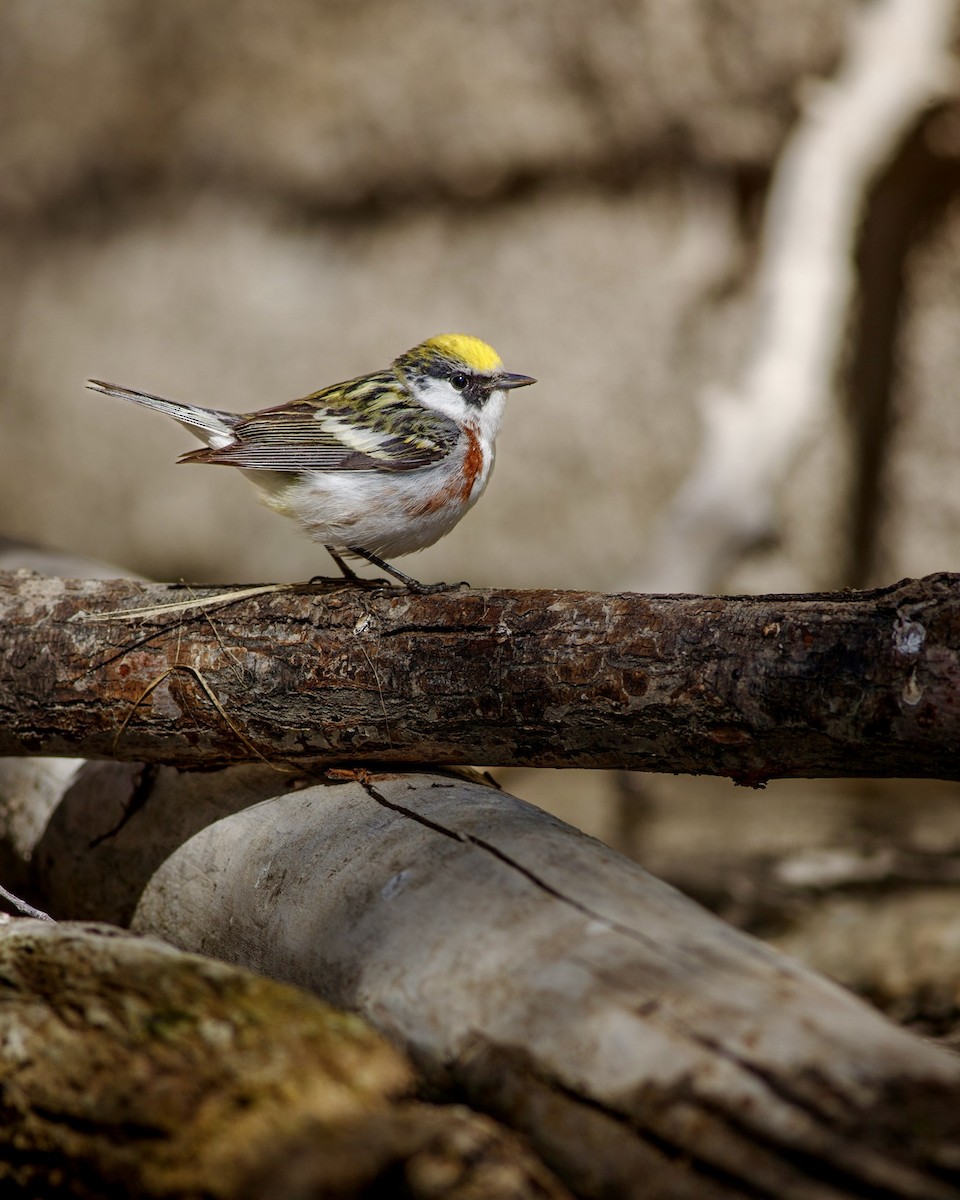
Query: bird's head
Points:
[461, 377]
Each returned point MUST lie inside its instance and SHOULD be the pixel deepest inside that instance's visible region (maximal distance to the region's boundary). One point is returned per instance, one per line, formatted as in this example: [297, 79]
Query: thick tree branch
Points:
[864, 683]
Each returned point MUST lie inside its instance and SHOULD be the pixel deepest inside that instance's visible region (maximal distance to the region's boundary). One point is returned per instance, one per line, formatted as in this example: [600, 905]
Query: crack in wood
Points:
[139, 795]
[507, 860]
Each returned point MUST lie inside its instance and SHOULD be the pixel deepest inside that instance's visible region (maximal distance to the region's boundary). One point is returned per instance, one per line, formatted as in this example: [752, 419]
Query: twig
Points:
[23, 907]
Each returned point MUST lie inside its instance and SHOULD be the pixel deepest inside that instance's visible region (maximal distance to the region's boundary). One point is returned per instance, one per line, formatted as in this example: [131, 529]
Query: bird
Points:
[375, 467]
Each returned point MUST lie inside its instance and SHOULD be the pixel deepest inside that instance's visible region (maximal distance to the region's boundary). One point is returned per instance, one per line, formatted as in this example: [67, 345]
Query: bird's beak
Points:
[508, 381]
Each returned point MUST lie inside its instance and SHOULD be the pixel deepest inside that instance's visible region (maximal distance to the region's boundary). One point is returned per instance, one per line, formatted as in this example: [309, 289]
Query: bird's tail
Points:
[209, 424]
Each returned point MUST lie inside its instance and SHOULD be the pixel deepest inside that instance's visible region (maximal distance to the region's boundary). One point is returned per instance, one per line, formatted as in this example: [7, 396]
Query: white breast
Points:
[388, 514]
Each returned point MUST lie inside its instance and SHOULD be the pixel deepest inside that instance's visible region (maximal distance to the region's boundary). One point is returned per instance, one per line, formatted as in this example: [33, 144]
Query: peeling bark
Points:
[847, 683]
[643, 1046]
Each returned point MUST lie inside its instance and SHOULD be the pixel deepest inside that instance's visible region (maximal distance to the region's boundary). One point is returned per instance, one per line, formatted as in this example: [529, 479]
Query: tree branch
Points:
[849, 683]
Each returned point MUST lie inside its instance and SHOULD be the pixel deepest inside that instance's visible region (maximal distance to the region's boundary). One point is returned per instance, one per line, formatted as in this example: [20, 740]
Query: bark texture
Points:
[128, 1068]
[644, 1046]
[840, 683]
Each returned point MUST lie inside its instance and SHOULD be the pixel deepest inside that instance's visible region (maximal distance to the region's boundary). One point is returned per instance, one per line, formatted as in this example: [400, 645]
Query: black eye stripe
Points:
[477, 391]
[474, 388]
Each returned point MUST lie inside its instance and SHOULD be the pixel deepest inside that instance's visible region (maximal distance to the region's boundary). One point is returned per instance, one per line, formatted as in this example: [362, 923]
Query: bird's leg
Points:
[408, 581]
[348, 573]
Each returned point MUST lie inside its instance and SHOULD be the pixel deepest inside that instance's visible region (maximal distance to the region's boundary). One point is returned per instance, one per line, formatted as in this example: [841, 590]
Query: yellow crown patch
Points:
[467, 349]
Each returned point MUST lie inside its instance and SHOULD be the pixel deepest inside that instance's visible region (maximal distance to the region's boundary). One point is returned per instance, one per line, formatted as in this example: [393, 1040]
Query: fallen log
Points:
[844, 683]
[642, 1045]
[128, 1068]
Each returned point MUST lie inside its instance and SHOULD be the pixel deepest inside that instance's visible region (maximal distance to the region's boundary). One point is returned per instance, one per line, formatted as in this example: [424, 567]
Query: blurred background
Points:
[696, 222]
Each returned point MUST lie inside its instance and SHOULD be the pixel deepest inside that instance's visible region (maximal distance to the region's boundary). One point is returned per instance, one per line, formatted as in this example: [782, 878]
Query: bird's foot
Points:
[351, 580]
[431, 589]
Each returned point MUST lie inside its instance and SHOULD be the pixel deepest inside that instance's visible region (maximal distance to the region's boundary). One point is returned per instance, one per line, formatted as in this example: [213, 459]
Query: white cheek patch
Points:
[439, 395]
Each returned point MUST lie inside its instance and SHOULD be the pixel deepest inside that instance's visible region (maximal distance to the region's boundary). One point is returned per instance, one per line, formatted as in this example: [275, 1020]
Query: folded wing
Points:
[364, 426]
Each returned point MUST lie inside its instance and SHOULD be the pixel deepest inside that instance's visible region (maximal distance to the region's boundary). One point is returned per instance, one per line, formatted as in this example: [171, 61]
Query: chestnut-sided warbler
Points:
[380, 465]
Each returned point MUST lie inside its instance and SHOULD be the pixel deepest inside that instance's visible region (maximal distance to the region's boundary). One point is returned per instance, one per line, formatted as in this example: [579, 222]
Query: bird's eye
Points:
[458, 380]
